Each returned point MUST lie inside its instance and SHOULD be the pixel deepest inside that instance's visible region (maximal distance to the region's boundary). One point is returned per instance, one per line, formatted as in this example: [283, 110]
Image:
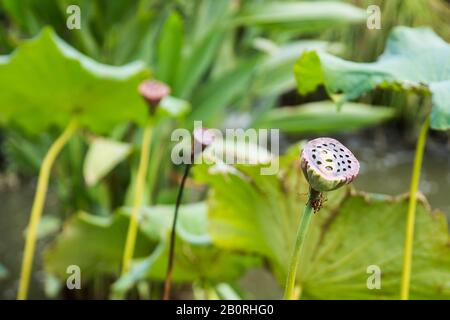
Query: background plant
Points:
[233, 61]
[62, 109]
[227, 45]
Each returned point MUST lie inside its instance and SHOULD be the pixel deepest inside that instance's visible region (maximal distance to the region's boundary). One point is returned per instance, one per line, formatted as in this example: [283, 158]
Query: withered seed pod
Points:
[328, 164]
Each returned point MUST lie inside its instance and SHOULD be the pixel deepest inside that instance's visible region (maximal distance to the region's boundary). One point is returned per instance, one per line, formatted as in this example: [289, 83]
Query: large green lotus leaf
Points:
[93, 243]
[274, 76]
[46, 82]
[196, 257]
[259, 213]
[414, 59]
[366, 231]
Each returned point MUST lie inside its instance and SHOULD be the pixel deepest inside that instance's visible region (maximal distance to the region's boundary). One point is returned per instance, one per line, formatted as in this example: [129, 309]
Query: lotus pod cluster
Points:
[327, 164]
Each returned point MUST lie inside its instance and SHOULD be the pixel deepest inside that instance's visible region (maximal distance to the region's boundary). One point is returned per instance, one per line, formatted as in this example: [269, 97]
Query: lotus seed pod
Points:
[153, 92]
[201, 139]
[327, 164]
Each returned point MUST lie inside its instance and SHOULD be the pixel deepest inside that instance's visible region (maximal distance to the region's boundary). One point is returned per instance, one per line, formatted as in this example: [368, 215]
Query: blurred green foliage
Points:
[323, 117]
[36, 97]
[210, 52]
[197, 259]
[188, 43]
[363, 44]
[223, 57]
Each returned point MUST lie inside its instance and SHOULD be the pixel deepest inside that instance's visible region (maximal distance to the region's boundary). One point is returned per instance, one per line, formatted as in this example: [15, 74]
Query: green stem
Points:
[137, 201]
[38, 205]
[409, 232]
[297, 253]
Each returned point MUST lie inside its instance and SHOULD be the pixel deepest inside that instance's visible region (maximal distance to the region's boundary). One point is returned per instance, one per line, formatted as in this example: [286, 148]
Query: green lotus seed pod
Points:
[327, 164]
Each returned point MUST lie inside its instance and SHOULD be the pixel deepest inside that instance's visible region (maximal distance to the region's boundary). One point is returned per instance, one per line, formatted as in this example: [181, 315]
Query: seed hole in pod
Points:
[313, 156]
[319, 146]
[344, 169]
[338, 170]
[343, 162]
[334, 156]
[341, 156]
[325, 145]
[329, 168]
[319, 163]
[349, 167]
[347, 156]
[349, 161]
[335, 150]
[333, 144]
[324, 151]
[341, 149]
[329, 160]
[339, 164]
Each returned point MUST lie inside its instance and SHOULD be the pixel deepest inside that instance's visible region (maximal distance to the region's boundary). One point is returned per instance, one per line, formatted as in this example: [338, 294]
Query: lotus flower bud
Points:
[153, 92]
[327, 164]
[201, 139]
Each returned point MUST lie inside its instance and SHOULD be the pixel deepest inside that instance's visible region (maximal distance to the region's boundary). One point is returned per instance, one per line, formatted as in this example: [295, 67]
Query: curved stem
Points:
[38, 205]
[137, 201]
[168, 281]
[297, 253]
[409, 233]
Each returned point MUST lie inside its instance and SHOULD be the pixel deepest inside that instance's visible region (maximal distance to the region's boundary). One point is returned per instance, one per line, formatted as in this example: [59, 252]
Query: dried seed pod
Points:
[201, 139]
[153, 92]
[328, 164]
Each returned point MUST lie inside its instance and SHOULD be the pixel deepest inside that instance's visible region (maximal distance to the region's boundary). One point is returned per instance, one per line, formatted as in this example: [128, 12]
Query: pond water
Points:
[385, 168]
[15, 207]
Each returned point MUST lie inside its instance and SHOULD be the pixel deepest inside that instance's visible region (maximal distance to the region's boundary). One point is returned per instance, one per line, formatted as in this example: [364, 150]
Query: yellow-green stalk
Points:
[411, 217]
[153, 92]
[38, 206]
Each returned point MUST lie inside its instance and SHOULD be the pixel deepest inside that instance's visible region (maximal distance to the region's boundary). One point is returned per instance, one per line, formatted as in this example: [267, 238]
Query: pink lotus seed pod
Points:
[201, 139]
[153, 92]
[327, 164]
